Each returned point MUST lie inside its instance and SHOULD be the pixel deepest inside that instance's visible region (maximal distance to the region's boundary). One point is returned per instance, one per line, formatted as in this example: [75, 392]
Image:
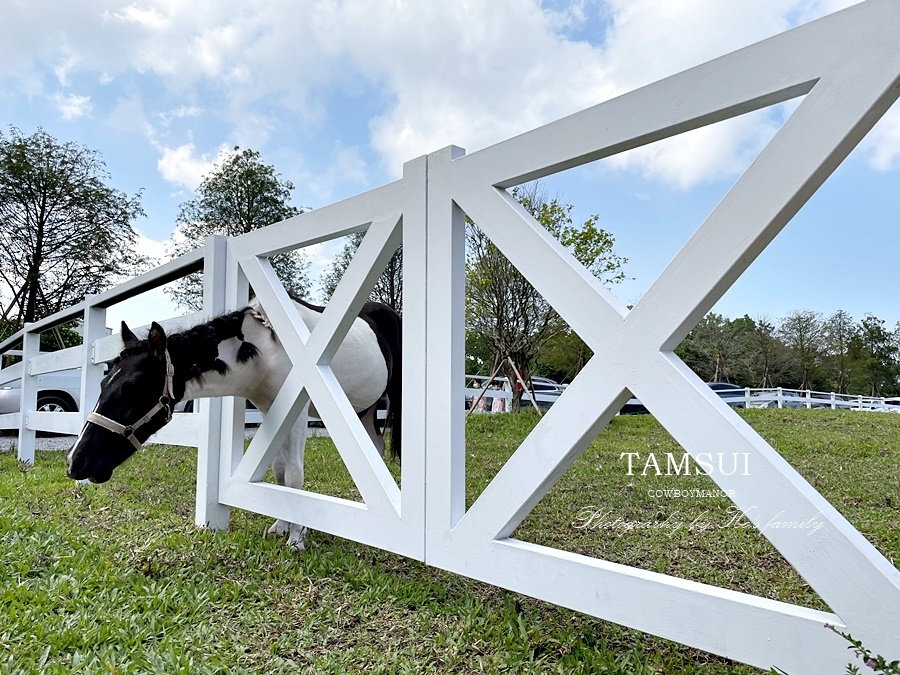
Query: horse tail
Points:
[395, 387]
[387, 325]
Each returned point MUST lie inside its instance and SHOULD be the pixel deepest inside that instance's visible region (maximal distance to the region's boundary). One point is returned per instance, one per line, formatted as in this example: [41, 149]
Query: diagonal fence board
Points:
[847, 66]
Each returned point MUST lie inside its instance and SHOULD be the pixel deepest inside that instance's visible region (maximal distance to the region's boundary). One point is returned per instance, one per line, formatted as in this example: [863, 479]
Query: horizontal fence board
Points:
[50, 362]
[10, 420]
[11, 374]
[55, 422]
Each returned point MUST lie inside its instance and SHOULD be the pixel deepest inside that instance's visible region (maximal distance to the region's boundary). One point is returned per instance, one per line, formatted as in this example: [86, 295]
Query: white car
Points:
[57, 392]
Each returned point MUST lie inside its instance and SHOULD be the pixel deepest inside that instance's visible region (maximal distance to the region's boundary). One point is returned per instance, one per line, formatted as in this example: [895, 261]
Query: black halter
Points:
[128, 431]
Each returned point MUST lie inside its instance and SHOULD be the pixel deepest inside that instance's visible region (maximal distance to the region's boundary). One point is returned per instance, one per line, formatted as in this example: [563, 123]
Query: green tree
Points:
[503, 308]
[803, 332]
[239, 195]
[562, 357]
[875, 353]
[839, 331]
[769, 355]
[389, 286]
[64, 233]
[719, 349]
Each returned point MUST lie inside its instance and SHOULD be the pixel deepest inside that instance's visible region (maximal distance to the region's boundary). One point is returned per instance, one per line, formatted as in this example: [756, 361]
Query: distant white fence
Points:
[845, 67]
[777, 397]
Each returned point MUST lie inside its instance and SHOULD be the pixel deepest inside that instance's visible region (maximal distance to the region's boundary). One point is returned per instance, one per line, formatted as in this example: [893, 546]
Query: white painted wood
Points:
[415, 381]
[91, 371]
[379, 213]
[63, 359]
[209, 511]
[31, 347]
[184, 429]
[10, 420]
[55, 422]
[444, 354]
[11, 373]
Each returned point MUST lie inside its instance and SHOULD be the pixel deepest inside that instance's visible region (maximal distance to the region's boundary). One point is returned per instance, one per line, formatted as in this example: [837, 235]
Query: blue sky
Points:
[337, 95]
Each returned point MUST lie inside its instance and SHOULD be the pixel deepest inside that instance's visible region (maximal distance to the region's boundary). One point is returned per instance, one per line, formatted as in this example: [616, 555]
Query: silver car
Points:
[57, 392]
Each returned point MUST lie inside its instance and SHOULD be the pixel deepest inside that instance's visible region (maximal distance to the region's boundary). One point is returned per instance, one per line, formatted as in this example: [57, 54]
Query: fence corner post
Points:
[209, 512]
[91, 370]
[31, 347]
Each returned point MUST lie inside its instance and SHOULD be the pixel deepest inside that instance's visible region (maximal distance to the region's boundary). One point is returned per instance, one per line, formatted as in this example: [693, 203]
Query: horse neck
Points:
[246, 368]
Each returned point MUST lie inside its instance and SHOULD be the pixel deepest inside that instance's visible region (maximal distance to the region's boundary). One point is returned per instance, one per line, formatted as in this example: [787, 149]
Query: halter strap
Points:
[164, 403]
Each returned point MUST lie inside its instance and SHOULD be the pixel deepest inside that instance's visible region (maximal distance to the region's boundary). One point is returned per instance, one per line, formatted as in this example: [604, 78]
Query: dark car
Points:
[729, 393]
[732, 394]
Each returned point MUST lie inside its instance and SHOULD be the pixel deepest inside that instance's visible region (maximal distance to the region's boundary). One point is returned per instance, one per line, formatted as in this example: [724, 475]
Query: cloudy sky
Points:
[337, 94]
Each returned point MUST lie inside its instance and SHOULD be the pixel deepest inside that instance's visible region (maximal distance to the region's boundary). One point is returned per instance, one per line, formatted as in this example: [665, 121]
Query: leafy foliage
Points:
[503, 308]
[239, 195]
[804, 351]
[389, 286]
[64, 233]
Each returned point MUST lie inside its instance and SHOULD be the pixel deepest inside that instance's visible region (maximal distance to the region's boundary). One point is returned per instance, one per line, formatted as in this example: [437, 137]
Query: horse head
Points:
[136, 400]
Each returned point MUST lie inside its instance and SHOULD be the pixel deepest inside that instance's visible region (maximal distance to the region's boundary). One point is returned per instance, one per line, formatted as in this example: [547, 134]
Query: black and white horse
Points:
[237, 354]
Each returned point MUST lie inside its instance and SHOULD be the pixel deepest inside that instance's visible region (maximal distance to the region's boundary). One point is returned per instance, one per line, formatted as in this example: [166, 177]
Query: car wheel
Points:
[53, 404]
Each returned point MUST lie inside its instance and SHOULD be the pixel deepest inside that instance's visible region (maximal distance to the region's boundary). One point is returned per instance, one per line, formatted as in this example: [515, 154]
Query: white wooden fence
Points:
[847, 68]
[778, 397]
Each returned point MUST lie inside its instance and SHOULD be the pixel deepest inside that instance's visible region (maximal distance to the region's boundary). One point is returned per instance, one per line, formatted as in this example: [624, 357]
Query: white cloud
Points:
[723, 149]
[468, 72]
[73, 106]
[151, 247]
[63, 68]
[146, 18]
[882, 145]
[181, 166]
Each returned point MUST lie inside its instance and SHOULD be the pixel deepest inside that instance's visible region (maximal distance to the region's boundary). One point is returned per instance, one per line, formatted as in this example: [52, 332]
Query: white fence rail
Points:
[777, 397]
[847, 69]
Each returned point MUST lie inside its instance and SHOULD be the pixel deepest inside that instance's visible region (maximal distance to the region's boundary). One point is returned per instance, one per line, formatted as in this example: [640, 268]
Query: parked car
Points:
[729, 393]
[546, 391]
[57, 392]
[732, 394]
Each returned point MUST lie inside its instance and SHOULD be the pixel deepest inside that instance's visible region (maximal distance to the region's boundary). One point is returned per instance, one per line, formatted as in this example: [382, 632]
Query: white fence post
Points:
[91, 370]
[444, 356]
[208, 511]
[31, 347]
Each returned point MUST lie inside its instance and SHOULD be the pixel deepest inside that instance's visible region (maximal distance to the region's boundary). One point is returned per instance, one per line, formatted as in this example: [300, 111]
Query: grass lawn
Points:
[116, 578]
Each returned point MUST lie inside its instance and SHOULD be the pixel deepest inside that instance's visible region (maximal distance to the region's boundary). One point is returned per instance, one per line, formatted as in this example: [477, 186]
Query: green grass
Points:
[116, 578]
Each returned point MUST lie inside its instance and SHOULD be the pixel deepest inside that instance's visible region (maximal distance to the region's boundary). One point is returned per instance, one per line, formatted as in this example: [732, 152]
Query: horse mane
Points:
[195, 351]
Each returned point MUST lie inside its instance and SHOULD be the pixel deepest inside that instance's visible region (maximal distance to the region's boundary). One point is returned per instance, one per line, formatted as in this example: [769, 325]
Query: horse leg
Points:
[279, 527]
[288, 470]
[367, 417]
[293, 449]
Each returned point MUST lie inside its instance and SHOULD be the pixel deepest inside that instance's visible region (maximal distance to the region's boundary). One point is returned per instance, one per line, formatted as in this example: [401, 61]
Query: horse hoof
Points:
[277, 529]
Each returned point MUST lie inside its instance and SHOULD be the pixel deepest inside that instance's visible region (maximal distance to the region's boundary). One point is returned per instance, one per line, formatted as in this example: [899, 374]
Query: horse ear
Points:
[127, 336]
[157, 340]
